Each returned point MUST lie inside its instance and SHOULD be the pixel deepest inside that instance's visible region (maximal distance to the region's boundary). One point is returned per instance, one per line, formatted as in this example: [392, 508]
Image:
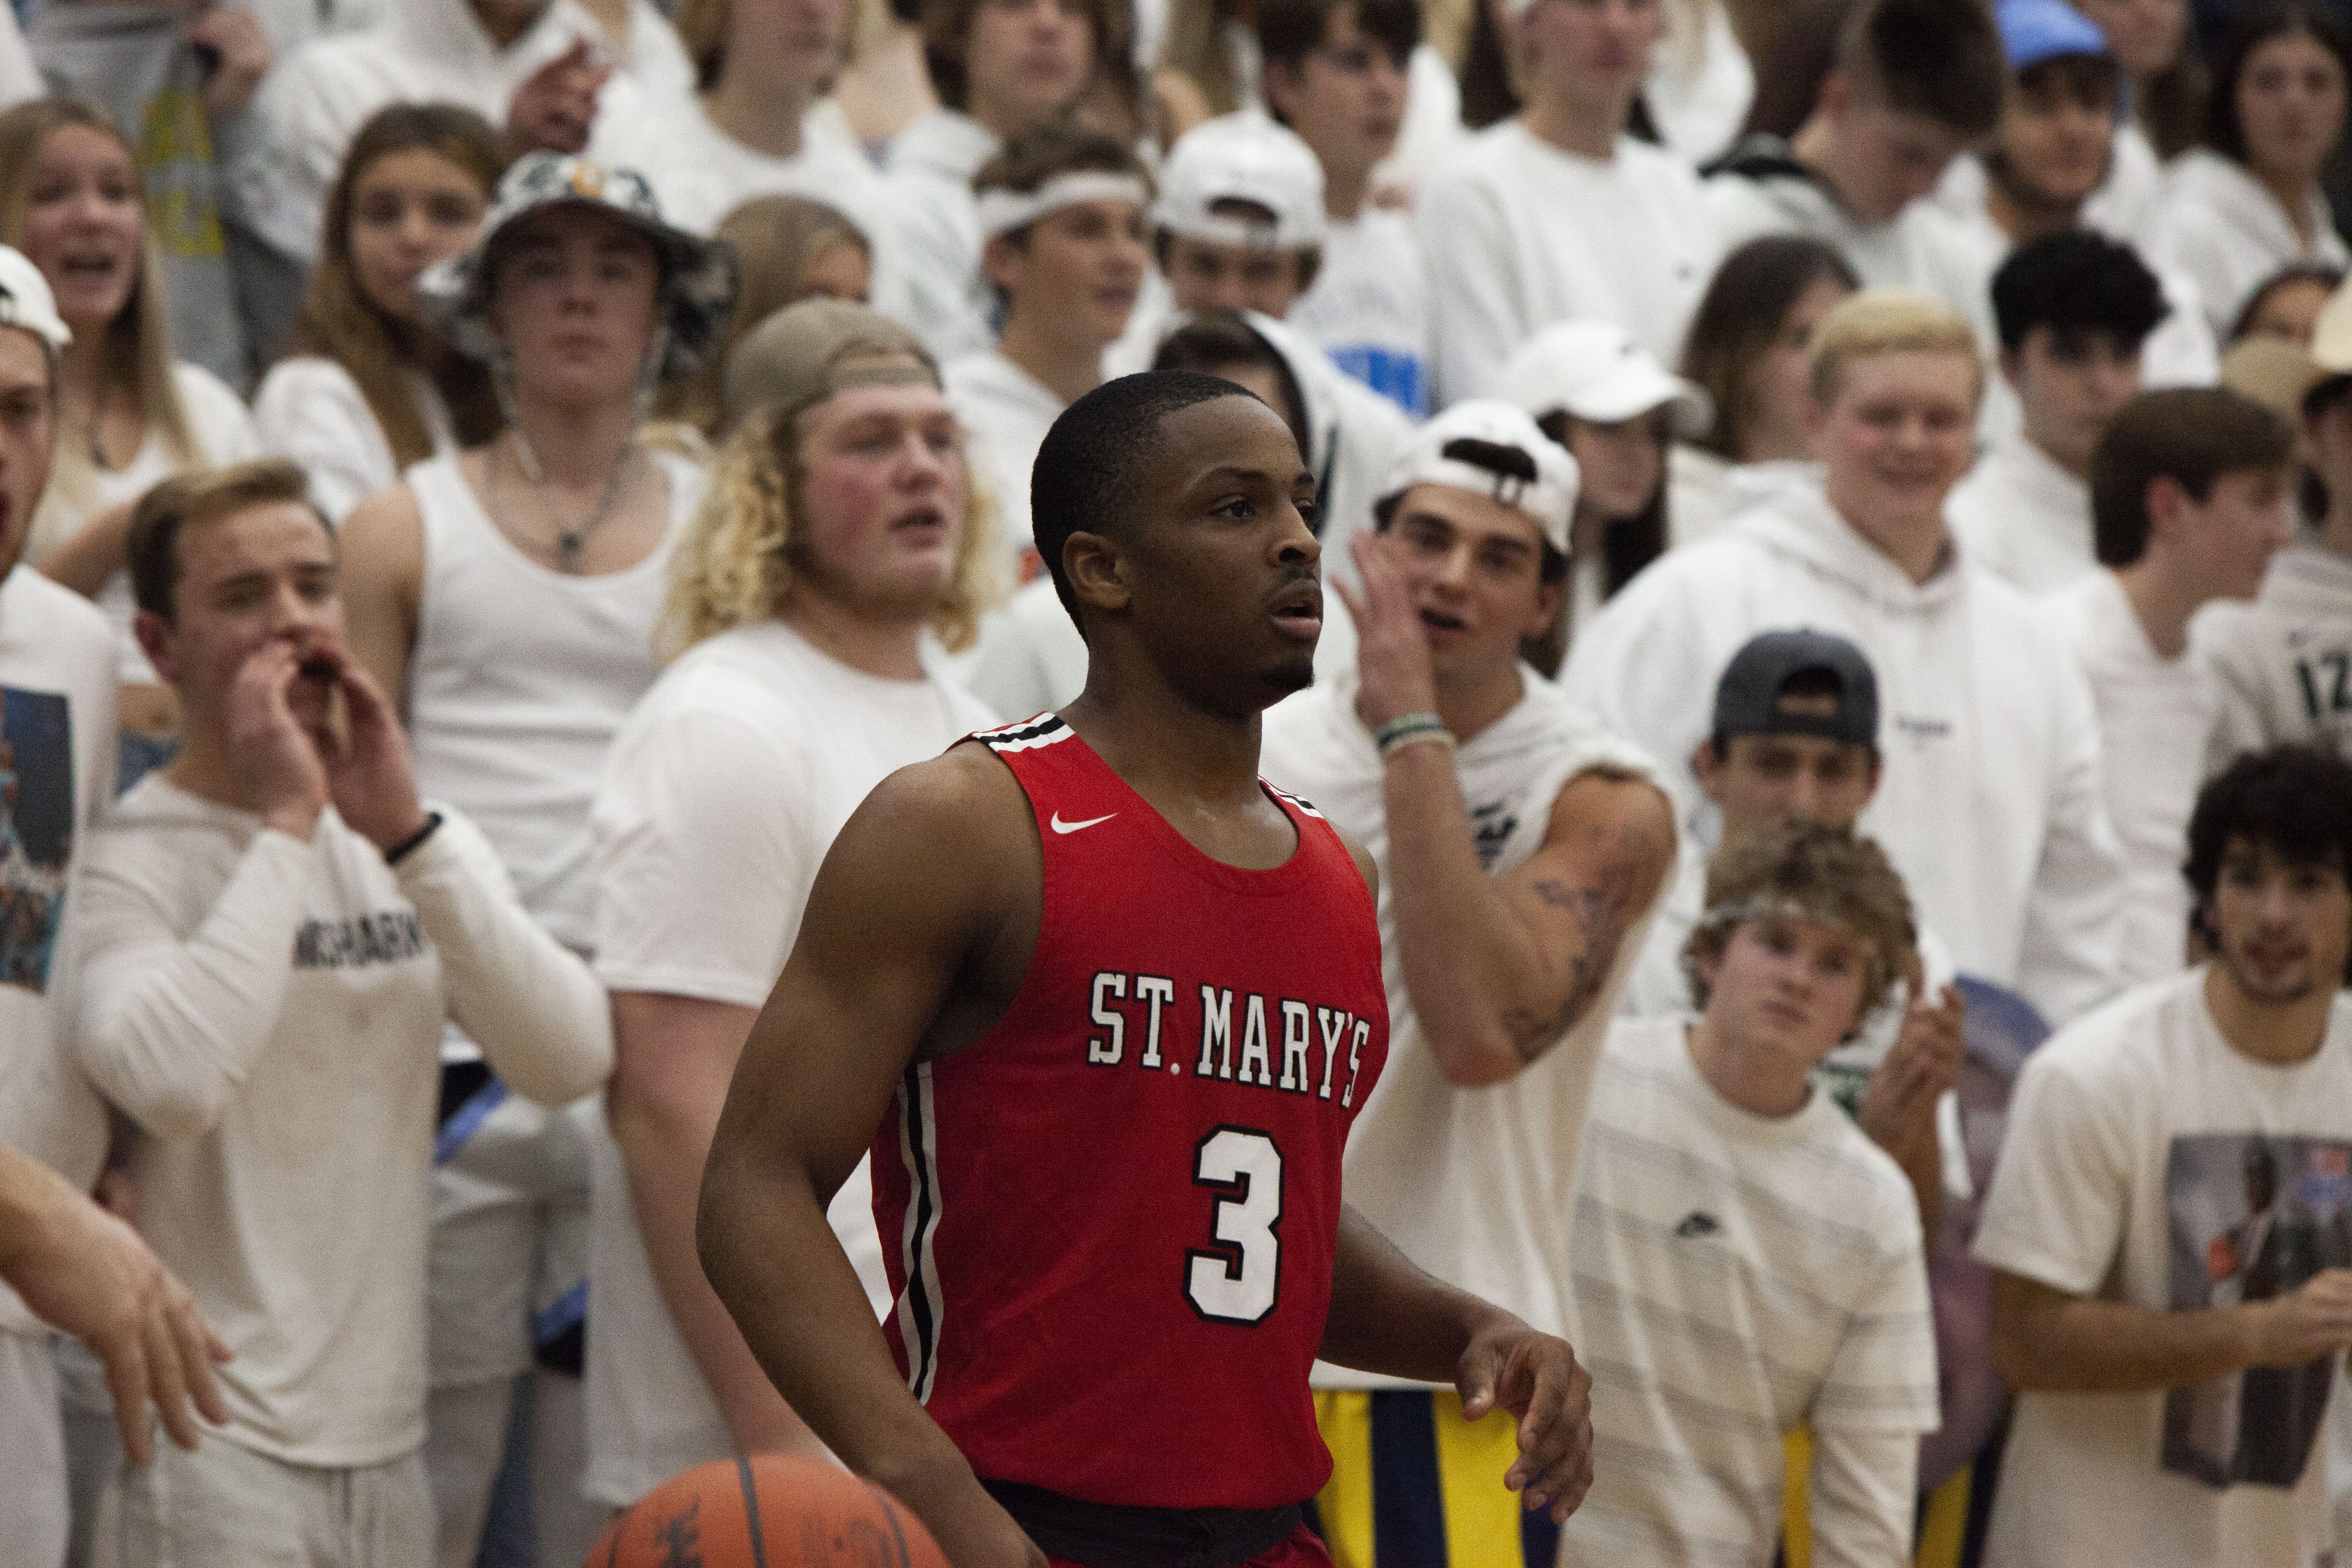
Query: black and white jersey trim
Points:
[1304, 805]
[1045, 730]
[919, 1303]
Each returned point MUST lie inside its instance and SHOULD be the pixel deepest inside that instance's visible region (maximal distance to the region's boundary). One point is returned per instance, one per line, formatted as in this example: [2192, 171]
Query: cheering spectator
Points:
[1746, 1261]
[272, 935]
[1336, 73]
[1909, 83]
[2073, 309]
[1991, 799]
[2248, 200]
[1747, 351]
[803, 601]
[1063, 211]
[1002, 69]
[2189, 492]
[127, 413]
[1560, 212]
[2166, 1298]
[368, 388]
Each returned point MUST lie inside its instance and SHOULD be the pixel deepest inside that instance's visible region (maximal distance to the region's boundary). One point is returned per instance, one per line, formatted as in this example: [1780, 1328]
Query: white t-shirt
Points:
[520, 678]
[309, 409]
[224, 435]
[1476, 1185]
[932, 163]
[2021, 517]
[1368, 308]
[1991, 804]
[1517, 234]
[2284, 661]
[723, 792]
[1701, 83]
[270, 1013]
[2156, 718]
[1922, 247]
[2130, 1174]
[1740, 1276]
[699, 175]
[56, 770]
[1005, 413]
[2228, 232]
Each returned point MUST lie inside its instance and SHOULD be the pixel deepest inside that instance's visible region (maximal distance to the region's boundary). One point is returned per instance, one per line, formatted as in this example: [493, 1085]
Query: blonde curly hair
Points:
[735, 563]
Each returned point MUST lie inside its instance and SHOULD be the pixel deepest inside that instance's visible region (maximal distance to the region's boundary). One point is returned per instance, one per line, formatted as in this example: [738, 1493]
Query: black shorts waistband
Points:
[1121, 1536]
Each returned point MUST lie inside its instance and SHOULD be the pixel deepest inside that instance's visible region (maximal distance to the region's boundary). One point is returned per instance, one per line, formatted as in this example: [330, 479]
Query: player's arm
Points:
[1498, 968]
[2047, 1340]
[911, 901]
[1389, 1317]
[382, 550]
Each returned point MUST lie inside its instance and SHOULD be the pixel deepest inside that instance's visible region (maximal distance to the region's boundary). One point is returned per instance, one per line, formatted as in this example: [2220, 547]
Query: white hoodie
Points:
[2283, 659]
[1991, 804]
[2222, 228]
[932, 163]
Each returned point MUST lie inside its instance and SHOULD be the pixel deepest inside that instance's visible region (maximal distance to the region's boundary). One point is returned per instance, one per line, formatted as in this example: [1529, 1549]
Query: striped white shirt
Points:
[1737, 1277]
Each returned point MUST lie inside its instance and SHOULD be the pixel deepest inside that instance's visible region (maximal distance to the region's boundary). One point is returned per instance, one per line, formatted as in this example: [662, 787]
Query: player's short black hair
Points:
[2190, 434]
[1290, 30]
[1090, 465]
[2294, 801]
[1218, 340]
[2076, 280]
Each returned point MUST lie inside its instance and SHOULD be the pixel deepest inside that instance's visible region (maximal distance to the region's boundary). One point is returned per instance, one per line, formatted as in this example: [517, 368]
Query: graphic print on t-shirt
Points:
[36, 801]
[2251, 1217]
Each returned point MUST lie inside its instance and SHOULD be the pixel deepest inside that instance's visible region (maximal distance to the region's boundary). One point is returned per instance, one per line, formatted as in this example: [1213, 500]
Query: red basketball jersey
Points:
[1111, 1220]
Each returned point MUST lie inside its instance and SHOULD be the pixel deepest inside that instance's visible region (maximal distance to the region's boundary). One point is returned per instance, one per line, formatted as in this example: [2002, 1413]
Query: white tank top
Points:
[519, 679]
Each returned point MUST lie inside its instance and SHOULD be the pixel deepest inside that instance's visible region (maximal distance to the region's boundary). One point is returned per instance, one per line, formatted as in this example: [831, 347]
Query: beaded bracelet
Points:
[1412, 730]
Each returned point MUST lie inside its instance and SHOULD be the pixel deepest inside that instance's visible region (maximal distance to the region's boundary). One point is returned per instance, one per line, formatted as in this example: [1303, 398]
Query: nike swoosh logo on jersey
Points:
[1061, 826]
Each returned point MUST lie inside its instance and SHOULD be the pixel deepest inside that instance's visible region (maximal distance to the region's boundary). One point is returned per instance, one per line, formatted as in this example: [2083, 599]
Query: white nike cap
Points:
[1491, 449]
[1598, 373]
[25, 301]
[1245, 157]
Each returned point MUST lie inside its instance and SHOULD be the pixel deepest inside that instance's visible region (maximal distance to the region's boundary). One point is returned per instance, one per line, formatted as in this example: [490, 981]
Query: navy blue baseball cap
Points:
[1748, 699]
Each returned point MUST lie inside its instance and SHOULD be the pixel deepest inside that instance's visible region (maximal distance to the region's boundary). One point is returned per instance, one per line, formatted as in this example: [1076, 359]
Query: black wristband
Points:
[414, 841]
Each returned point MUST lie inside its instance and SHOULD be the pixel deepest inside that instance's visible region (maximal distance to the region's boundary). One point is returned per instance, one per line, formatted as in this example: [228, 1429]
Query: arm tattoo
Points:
[1600, 916]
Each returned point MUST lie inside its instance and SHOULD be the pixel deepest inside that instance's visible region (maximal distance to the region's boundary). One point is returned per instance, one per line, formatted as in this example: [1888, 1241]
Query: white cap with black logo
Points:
[1491, 449]
[25, 301]
[1243, 157]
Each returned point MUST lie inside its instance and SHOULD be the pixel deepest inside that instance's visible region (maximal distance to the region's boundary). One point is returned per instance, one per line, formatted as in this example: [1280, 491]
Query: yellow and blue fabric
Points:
[1414, 1484]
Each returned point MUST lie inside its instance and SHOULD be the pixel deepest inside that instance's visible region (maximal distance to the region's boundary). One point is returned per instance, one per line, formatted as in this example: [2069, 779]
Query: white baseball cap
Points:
[1243, 157]
[25, 300]
[1598, 373]
[1490, 448]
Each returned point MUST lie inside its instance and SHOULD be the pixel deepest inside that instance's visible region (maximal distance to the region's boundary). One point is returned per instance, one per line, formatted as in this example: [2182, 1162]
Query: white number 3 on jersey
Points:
[1234, 1281]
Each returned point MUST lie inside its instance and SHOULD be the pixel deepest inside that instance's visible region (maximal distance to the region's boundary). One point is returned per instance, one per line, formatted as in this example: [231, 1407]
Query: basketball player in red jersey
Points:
[1112, 1005]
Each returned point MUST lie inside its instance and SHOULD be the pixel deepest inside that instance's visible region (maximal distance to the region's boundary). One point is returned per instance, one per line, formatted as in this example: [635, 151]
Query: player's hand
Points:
[1898, 1105]
[369, 770]
[2310, 1321]
[1535, 1376]
[239, 55]
[1395, 672]
[92, 1276]
[275, 750]
[970, 1526]
[554, 108]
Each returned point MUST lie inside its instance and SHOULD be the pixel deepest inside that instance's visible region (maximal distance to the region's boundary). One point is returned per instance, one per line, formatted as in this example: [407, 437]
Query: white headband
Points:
[1002, 211]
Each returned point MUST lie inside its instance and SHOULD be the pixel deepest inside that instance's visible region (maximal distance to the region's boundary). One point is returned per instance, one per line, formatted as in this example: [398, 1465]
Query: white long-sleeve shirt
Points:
[1517, 234]
[2225, 229]
[270, 1013]
[932, 163]
[1991, 803]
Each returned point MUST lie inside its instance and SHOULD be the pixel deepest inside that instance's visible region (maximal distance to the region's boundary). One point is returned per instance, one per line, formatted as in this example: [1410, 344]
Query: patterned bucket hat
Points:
[698, 287]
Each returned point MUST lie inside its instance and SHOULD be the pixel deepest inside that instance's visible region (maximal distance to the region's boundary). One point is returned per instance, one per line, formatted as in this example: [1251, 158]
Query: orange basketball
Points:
[767, 1511]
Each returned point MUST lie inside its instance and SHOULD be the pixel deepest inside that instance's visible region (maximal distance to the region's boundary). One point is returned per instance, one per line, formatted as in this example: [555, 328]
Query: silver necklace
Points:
[571, 543]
